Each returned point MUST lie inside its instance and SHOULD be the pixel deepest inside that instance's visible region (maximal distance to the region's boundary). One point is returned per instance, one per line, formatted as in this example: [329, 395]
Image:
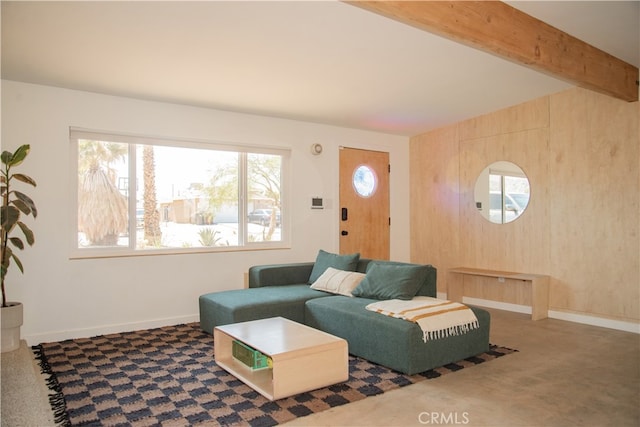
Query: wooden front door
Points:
[364, 203]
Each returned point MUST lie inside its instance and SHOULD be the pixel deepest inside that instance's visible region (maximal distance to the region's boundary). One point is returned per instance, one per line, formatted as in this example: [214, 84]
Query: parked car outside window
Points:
[263, 216]
[514, 204]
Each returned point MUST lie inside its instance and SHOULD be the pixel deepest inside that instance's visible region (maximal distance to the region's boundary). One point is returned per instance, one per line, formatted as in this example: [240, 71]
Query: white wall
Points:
[83, 297]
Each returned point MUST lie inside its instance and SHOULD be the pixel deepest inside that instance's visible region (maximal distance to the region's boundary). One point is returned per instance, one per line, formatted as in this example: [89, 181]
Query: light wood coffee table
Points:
[303, 358]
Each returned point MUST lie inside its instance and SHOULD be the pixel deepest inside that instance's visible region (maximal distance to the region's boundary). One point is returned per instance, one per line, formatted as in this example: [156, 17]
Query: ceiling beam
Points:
[500, 29]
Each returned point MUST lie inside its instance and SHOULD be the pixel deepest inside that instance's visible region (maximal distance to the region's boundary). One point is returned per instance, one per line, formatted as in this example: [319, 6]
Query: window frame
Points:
[503, 176]
[243, 150]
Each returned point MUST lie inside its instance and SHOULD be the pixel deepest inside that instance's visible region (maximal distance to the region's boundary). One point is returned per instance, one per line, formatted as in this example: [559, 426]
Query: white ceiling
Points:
[319, 61]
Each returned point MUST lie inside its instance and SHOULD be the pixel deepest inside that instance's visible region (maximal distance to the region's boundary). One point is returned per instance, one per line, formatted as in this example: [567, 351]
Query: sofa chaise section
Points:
[242, 305]
[395, 343]
[274, 290]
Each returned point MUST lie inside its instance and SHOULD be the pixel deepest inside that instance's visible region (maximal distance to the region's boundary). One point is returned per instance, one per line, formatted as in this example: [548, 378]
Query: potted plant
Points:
[14, 204]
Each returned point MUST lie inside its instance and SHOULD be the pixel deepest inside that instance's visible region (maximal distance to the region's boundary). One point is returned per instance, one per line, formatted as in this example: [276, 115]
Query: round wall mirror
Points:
[502, 192]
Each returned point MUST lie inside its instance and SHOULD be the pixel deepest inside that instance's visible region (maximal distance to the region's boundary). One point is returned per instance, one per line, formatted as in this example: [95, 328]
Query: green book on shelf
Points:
[249, 356]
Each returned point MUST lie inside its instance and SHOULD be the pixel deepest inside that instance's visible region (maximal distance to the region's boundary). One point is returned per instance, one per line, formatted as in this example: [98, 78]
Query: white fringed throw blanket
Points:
[436, 317]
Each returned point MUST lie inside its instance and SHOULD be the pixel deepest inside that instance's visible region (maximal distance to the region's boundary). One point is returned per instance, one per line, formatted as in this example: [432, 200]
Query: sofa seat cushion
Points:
[241, 305]
[395, 343]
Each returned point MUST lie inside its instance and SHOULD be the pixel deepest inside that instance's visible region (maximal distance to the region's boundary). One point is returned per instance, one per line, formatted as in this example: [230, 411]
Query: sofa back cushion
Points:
[427, 276]
[325, 260]
[390, 281]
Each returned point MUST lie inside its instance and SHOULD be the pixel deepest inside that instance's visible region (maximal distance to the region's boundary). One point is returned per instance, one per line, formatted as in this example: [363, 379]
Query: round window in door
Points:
[364, 181]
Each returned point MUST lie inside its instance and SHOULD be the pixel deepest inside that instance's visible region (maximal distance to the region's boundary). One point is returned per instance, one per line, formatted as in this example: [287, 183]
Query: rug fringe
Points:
[56, 399]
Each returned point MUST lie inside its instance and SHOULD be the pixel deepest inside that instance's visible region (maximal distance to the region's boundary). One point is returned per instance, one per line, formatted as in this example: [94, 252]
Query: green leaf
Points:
[19, 155]
[24, 178]
[9, 254]
[10, 216]
[17, 242]
[6, 157]
[27, 233]
[27, 201]
[21, 206]
[17, 261]
[23, 197]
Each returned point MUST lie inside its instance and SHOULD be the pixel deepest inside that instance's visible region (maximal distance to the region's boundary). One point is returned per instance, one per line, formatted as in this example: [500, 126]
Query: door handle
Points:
[344, 214]
[344, 232]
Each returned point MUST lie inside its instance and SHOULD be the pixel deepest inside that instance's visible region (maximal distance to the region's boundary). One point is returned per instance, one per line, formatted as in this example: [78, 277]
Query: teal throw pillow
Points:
[325, 260]
[390, 281]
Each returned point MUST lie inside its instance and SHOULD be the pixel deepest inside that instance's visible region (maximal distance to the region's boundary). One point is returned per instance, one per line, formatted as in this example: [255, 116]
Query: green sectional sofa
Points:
[284, 290]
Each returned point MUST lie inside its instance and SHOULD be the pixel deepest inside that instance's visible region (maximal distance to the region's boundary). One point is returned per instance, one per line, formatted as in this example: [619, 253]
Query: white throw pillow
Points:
[338, 281]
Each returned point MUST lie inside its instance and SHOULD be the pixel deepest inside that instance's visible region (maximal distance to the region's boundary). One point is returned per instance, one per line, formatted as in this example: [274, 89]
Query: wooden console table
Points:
[539, 285]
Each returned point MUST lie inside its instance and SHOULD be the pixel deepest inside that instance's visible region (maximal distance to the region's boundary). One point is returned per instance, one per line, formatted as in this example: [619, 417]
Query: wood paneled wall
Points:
[581, 153]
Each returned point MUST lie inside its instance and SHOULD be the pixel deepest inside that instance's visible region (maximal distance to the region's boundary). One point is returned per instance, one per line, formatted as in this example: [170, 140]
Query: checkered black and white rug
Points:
[167, 376]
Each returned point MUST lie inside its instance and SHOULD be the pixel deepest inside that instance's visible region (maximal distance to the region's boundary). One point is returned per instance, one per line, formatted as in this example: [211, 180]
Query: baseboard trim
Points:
[108, 329]
[136, 326]
[498, 305]
[619, 325]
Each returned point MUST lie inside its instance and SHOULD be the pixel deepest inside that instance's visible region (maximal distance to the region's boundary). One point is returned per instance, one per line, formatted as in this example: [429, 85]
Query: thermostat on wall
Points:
[316, 203]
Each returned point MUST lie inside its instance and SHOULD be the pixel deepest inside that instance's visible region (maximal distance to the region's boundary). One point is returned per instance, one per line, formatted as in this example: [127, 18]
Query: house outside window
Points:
[139, 195]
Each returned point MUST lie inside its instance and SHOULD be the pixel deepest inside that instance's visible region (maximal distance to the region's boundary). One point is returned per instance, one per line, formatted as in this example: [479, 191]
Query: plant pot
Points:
[11, 323]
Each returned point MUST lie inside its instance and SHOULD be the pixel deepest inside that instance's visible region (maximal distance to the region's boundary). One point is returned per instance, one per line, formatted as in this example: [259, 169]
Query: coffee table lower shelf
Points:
[303, 358]
[261, 380]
